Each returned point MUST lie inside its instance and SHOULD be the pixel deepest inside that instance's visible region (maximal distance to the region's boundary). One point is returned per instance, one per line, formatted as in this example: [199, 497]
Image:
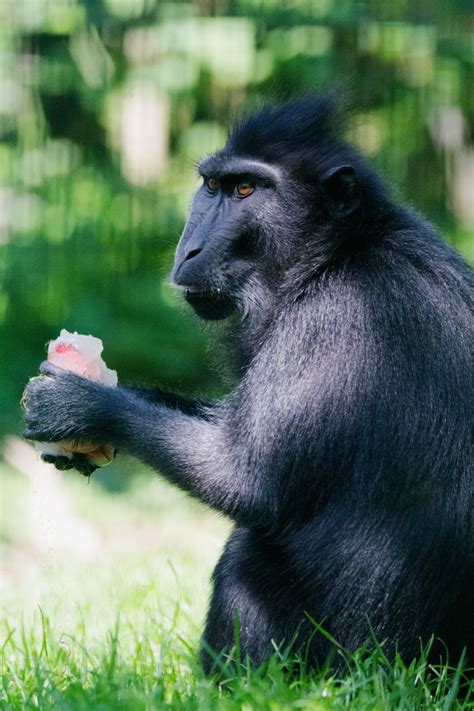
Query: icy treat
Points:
[82, 355]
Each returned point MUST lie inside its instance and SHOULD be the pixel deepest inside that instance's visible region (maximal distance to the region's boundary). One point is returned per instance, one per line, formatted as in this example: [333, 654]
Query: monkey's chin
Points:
[208, 305]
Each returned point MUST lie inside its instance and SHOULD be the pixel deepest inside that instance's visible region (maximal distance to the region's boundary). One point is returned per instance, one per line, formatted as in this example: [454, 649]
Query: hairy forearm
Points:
[157, 396]
[200, 452]
[193, 453]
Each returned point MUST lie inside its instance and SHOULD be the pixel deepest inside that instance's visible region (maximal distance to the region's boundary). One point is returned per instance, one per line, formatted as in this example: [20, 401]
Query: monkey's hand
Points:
[60, 405]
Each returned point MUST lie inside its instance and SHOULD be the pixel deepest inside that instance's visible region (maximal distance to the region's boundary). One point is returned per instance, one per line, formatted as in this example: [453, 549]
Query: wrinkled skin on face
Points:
[222, 244]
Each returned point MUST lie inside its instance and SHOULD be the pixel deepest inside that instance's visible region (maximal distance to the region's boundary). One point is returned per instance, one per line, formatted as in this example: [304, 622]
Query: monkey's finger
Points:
[53, 459]
[61, 463]
[36, 433]
[47, 368]
[30, 387]
[83, 465]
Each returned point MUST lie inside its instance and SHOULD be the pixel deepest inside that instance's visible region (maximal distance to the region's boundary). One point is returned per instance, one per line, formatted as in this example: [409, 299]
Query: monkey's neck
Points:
[241, 338]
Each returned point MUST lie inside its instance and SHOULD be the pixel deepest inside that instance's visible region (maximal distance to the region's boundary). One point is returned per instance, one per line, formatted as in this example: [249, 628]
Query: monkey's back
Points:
[366, 387]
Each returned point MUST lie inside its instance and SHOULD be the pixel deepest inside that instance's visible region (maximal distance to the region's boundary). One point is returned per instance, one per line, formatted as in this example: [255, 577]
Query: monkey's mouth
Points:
[209, 304]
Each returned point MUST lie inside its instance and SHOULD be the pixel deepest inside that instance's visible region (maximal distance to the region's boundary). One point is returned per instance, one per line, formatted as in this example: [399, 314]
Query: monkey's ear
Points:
[343, 189]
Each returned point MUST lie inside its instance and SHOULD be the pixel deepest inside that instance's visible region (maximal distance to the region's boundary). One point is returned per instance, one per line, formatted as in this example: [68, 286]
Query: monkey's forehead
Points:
[221, 164]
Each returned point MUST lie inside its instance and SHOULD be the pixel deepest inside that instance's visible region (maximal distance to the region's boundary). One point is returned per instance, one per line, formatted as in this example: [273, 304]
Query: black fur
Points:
[343, 453]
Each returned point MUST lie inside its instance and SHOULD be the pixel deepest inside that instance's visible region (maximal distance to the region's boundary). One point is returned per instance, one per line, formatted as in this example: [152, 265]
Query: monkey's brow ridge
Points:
[220, 165]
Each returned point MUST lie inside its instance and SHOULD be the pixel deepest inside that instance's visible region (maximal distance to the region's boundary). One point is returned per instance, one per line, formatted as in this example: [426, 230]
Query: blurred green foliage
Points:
[106, 104]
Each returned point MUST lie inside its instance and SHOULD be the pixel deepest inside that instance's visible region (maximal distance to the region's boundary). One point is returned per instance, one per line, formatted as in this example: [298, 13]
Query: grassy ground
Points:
[104, 597]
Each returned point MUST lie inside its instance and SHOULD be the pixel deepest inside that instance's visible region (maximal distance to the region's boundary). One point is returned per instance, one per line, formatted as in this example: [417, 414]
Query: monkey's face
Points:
[222, 244]
[249, 223]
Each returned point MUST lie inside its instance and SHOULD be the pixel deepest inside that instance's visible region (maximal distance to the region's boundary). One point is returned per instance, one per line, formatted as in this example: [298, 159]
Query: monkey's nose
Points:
[192, 253]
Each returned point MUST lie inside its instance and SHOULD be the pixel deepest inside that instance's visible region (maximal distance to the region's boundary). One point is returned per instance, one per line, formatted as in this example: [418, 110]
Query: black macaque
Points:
[343, 454]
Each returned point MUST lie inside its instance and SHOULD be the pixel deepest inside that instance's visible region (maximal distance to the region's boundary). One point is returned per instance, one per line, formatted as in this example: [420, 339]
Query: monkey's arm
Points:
[157, 396]
[194, 452]
[82, 464]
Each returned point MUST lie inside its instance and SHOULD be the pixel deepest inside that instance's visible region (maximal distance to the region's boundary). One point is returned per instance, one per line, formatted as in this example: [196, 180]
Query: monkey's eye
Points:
[213, 185]
[244, 189]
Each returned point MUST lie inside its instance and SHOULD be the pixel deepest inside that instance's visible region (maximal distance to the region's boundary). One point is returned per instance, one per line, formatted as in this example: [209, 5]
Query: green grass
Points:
[113, 620]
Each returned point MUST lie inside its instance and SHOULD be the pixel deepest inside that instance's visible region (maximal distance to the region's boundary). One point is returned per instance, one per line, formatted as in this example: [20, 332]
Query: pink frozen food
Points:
[82, 355]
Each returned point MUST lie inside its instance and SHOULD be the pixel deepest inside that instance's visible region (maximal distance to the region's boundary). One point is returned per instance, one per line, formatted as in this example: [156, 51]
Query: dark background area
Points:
[106, 104]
